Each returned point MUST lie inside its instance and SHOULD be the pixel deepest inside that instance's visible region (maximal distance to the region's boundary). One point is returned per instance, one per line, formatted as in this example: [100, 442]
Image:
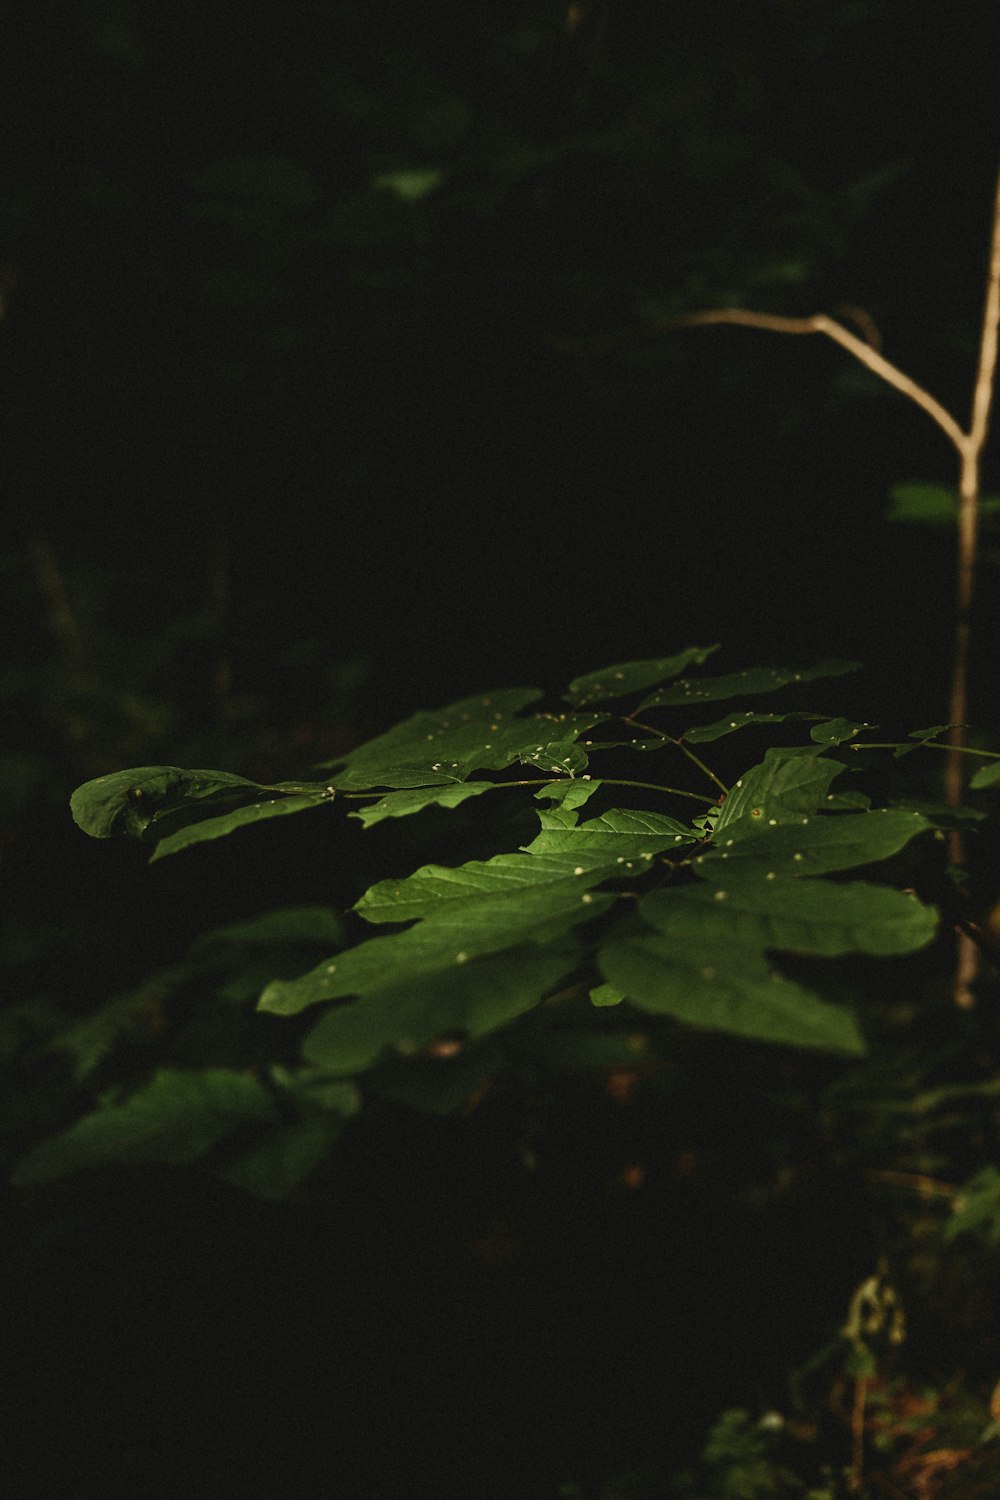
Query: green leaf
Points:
[812, 845]
[472, 999]
[977, 1207]
[411, 186]
[472, 913]
[725, 986]
[739, 720]
[127, 801]
[568, 794]
[985, 776]
[606, 994]
[286, 927]
[837, 731]
[402, 804]
[474, 734]
[284, 1158]
[744, 684]
[176, 1117]
[786, 786]
[242, 817]
[765, 910]
[632, 676]
[501, 886]
[919, 504]
[619, 837]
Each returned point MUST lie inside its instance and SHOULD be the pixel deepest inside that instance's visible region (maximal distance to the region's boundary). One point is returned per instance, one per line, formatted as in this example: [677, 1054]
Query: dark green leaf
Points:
[785, 787]
[632, 676]
[766, 910]
[402, 804]
[176, 1117]
[701, 733]
[283, 1158]
[985, 776]
[837, 731]
[724, 986]
[127, 801]
[471, 1000]
[812, 845]
[744, 684]
[242, 817]
[474, 734]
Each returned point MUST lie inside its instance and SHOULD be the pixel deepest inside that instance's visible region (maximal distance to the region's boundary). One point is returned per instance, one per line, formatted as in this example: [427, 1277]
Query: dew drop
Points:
[729, 843]
[460, 958]
[770, 875]
[720, 895]
[772, 822]
[331, 968]
[578, 870]
[798, 856]
[587, 899]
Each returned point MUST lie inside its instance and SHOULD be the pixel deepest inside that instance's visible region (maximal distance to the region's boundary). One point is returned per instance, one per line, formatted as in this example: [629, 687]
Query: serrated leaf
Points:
[475, 734]
[812, 845]
[985, 776]
[726, 986]
[472, 999]
[402, 804]
[798, 916]
[464, 929]
[618, 837]
[701, 733]
[176, 1117]
[633, 676]
[786, 786]
[750, 682]
[501, 885]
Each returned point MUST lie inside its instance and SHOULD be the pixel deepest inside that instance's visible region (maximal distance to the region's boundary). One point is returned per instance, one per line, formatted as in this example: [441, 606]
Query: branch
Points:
[870, 357]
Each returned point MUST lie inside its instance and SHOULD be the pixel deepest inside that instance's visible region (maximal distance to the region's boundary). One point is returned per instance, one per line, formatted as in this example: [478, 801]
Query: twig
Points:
[969, 447]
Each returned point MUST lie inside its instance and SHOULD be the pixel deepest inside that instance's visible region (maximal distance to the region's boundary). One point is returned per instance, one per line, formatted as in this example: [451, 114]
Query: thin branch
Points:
[983, 396]
[820, 323]
[969, 447]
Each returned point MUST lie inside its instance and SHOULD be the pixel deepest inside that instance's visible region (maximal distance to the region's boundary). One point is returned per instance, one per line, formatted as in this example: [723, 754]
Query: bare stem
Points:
[969, 447]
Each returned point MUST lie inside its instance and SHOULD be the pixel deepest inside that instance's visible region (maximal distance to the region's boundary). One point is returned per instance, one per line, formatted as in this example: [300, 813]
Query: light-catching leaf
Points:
[743, 684]
[217, 827]
[127, 801]
[617, 837]
[472, 999]
[483, 733]
[727, 986]
[538, 909]
[402, 804]
[633, 676]
[813, 845]
[787, 785]
[740, 719]
[769, 911]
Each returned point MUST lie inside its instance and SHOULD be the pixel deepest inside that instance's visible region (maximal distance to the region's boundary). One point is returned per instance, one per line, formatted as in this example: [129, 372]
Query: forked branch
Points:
[969, 447]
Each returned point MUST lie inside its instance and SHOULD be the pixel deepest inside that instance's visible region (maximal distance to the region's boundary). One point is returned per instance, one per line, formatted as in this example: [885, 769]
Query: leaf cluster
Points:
[622, 904]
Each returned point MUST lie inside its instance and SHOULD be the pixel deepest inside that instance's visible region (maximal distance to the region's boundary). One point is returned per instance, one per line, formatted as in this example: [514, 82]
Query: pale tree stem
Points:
[969, 447]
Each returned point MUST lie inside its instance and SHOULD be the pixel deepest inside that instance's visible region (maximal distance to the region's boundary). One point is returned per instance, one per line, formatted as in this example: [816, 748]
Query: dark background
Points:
[294, 443]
